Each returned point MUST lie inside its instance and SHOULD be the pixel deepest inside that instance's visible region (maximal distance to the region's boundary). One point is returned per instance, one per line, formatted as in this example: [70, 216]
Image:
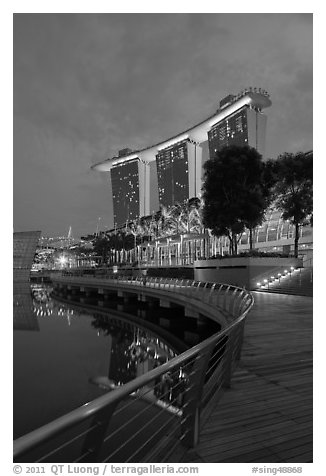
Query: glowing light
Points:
[62, 260]
[265, 280]
[258, 284]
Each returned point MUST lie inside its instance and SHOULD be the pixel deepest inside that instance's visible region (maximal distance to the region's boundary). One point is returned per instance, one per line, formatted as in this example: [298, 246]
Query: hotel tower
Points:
[172, 171]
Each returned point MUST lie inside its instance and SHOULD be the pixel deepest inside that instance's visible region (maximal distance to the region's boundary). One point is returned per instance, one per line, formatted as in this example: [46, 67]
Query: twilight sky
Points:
[87, 85]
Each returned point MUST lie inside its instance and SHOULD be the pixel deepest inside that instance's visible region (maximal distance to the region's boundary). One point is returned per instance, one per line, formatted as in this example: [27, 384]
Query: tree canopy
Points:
[293, 189]
[234, 192]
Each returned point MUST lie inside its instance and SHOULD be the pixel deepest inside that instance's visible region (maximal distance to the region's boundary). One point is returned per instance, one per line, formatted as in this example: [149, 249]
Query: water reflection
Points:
[23, 311]
[76, 355]
[82, 351]
[133, 350]
[44, 306]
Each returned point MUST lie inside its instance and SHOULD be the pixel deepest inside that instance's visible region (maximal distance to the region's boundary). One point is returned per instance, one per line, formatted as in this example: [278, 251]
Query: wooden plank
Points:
[304, 458]
[266, 415]
[262, 440]
[260, 433]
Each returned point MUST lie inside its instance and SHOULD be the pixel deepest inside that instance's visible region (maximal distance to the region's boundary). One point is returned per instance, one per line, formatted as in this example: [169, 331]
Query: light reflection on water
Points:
[65, 356]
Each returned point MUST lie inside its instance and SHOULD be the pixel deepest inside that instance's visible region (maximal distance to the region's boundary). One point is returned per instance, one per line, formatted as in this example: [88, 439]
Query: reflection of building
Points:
[24, 317]
[178, 162]
[24, 247]
[133, 351]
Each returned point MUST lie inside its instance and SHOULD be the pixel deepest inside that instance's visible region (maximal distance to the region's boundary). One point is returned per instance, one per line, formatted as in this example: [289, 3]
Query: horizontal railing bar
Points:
[78, 415]
[123, 280]
[148, 440]
[160, 445]
[82, 456]
[154, 403]
[213, 365]
[68, 442]
[219, 376]
[220, 349]
[134, 434]
[43, 434]
[139, 396]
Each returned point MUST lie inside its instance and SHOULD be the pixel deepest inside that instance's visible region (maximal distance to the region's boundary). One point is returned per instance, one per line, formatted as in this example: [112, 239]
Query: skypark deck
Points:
[197, 132]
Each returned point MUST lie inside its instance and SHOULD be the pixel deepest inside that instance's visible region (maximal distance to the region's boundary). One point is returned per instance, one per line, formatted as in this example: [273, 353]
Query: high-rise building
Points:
[172, 174]
[178, 162]
[247, 126]
[125, 191]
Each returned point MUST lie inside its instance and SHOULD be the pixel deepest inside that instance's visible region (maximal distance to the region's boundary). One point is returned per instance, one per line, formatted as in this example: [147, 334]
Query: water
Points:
[66, 355]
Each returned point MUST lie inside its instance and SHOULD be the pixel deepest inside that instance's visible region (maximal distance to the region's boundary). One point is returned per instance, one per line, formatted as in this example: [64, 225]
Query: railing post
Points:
[240, 337]
[225, 296]
[232, 301]
[237, 304]
[217, 294]
[227, 361]
[192, 401]
[94, 440]
[200, 378]
[211, 293]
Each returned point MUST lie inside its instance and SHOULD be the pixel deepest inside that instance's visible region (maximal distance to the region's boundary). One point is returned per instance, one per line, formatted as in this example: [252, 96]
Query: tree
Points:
[294, 190]
[234, 193]
[165, 221]
[102, 248]
[256, 213]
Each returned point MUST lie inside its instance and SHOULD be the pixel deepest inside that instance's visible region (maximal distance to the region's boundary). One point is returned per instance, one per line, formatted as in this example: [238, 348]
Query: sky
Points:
[87, 85]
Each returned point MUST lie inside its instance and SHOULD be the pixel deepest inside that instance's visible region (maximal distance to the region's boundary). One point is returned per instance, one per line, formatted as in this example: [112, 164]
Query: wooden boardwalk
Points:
[266, 416]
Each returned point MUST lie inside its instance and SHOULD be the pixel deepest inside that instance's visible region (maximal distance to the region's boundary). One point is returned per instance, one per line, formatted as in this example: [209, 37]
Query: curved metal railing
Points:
[147, 418]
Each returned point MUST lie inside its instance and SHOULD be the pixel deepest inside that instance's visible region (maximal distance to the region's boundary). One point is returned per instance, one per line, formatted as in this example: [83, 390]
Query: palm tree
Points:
[133, 228]
[165, 221]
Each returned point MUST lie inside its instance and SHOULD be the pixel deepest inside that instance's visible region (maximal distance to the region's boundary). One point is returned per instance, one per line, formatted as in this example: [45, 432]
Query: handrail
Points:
[51, 429]
[197, 361]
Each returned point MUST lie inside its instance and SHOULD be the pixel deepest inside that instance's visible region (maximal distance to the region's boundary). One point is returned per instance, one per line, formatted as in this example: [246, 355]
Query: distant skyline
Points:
[87, 85]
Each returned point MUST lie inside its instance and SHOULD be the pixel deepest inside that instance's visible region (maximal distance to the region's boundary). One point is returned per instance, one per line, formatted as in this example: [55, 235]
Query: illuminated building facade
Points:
[276, 234]
[125, 191]
[245, 127]
[178, 162]
[172, 174]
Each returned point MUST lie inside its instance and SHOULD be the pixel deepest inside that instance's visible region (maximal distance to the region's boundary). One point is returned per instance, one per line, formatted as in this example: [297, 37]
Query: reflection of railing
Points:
[145, 419]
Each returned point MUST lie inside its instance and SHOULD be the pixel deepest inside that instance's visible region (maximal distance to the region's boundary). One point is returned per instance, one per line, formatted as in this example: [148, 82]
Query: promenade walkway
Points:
[266, 416]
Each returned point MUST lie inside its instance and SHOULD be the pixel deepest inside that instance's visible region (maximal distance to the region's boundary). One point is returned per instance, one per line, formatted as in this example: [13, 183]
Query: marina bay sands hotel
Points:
[172, 171]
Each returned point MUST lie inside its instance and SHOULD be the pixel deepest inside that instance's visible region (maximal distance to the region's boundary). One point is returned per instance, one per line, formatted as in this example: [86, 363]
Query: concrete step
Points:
[300, 284]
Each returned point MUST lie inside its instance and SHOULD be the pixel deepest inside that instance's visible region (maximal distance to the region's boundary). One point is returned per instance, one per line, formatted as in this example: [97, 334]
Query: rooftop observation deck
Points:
[266, 415]
[256, 98]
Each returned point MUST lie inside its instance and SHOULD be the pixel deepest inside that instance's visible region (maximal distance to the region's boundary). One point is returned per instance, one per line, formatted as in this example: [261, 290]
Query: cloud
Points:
[86, 85]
